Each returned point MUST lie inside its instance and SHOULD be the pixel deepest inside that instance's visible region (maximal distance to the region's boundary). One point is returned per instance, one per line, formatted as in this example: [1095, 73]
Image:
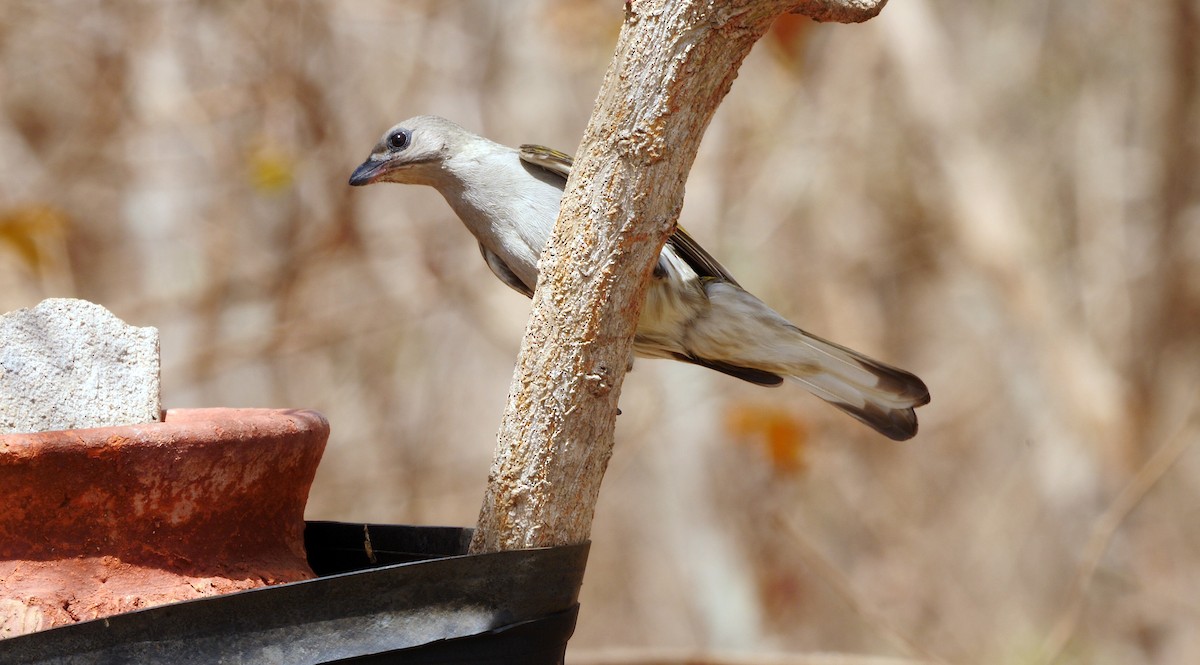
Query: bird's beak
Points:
[367, 172]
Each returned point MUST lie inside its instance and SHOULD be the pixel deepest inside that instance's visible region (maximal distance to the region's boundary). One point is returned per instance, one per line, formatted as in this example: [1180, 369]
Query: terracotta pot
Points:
[95, 522]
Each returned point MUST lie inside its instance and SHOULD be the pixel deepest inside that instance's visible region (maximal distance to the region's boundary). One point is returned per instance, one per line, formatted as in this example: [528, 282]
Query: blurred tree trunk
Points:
[1168, 293]
[675, 60]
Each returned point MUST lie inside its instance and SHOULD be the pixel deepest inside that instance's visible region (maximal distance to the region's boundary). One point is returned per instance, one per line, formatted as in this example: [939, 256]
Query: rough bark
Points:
[675, 60]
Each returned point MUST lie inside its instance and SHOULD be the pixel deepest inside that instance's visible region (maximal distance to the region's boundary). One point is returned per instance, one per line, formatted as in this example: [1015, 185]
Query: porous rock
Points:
[72, 364]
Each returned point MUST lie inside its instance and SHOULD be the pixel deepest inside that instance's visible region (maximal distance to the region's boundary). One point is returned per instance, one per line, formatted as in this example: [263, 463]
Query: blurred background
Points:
[1003, 197]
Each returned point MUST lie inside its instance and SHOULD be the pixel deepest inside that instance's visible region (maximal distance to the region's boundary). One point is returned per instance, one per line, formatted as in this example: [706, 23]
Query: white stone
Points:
[71, 364]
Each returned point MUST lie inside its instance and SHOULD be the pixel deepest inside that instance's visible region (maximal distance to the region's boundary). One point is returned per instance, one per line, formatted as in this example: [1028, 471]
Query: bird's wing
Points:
[500, 269]
[559, 164]
[695, 256]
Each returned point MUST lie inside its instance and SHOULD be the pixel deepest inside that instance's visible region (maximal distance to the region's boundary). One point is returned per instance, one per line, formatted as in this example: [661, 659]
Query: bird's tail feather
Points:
[875, 393]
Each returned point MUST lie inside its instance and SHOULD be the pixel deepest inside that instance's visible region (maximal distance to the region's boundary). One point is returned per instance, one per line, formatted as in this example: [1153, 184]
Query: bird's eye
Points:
[398, 140]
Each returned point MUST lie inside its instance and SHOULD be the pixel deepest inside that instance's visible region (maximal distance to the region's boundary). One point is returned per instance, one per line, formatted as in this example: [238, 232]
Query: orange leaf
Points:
[782, 435]
[26, 228]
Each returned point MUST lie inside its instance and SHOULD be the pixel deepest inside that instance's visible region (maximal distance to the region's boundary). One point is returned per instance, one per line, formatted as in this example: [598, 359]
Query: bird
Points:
[695, 311]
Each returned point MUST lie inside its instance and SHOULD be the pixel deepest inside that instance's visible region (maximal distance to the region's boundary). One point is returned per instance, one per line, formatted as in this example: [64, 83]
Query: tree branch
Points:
[675, 61]
[840, 11]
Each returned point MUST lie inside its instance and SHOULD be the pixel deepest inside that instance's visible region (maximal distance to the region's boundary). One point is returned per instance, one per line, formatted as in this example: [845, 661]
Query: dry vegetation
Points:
[1001, 196]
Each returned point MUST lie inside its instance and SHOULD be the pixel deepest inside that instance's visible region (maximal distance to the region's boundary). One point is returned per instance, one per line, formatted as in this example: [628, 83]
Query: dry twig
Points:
[1105, 529]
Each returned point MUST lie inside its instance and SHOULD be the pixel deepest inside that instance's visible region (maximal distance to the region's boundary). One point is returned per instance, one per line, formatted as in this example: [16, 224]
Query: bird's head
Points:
[413, 151]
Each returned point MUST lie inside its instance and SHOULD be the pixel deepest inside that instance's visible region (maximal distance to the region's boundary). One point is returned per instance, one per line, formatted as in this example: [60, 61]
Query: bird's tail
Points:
[741, 336]
[875, 393]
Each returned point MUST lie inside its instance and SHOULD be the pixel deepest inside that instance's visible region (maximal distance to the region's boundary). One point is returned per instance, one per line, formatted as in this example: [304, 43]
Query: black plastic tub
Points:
[384, 594]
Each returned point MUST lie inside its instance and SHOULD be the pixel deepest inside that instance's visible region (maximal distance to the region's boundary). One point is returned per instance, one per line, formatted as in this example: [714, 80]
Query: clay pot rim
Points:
[177, 425]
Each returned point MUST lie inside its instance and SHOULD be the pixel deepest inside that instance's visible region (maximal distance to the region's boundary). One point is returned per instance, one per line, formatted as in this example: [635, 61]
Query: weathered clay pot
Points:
[95, 522]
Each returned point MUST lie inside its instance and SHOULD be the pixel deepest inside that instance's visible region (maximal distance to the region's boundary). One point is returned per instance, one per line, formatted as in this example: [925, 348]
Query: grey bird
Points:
[695, 311]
